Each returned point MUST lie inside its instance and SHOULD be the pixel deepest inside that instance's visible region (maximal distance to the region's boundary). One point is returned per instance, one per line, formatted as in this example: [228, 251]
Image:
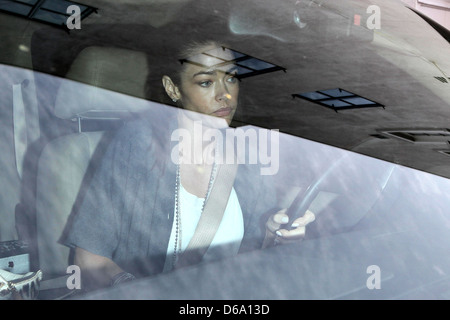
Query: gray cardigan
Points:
[126, 213]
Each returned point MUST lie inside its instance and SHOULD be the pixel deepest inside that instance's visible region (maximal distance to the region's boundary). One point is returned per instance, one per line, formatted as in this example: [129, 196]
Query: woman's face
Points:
[209, 89]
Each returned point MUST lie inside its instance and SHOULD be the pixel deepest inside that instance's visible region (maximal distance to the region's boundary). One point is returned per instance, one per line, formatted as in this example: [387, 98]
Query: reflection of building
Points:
[438, 10]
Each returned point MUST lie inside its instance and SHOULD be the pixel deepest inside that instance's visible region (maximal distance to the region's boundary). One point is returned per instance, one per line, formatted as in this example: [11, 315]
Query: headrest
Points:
[104, 82]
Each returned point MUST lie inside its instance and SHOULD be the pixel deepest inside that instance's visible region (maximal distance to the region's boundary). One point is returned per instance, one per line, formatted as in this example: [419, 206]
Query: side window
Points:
[19, 129]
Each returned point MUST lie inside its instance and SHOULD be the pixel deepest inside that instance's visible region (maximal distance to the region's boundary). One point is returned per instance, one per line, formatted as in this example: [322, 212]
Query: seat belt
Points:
[19, 125]
[211, 217]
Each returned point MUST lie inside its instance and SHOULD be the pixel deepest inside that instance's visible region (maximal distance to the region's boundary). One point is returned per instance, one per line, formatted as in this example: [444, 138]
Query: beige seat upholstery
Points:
[65, 160]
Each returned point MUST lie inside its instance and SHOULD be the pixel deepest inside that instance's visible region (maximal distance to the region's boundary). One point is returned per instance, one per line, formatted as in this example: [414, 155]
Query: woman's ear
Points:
[171, 89]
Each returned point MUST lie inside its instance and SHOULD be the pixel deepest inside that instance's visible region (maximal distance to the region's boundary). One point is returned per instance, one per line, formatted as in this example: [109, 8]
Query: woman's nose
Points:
[223, 93]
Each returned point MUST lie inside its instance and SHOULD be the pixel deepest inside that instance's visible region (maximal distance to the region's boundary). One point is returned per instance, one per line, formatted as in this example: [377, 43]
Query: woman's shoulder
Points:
[144, 128]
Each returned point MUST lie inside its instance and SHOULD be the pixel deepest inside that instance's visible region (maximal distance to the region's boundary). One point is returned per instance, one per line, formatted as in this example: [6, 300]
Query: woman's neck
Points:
[195, 148]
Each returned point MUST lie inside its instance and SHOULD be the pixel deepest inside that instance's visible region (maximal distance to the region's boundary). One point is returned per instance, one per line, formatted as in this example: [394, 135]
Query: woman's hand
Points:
[97, 271]
[277, 235]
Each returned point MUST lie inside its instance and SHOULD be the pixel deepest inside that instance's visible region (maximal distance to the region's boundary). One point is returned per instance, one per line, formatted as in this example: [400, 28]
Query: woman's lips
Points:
[223, 112]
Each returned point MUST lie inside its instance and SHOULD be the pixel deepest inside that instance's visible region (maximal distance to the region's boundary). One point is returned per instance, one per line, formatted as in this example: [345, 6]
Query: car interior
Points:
[362, 112]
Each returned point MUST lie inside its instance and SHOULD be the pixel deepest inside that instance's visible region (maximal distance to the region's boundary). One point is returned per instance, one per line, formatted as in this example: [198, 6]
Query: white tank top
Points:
[228, 237]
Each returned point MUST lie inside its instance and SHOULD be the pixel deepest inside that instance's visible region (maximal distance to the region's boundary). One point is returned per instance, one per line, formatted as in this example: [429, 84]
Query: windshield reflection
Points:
[355, 198]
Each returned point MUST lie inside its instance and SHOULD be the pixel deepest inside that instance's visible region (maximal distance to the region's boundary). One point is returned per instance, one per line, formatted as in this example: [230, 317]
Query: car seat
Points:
[104, 84]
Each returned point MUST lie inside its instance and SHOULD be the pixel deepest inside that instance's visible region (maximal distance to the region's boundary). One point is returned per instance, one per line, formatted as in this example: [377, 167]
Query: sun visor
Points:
[103, 83]
[306, 21]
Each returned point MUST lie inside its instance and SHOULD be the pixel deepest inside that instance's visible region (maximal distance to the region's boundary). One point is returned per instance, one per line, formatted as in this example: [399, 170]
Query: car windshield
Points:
[184, 150]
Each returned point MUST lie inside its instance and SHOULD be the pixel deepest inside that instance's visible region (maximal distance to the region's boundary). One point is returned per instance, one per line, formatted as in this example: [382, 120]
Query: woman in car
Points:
[148, 194]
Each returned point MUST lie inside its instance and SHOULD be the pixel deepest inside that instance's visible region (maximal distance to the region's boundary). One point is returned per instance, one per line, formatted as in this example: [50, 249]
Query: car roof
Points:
[402, 65]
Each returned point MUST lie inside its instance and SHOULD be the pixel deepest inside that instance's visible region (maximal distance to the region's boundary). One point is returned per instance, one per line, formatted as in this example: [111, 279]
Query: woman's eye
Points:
[205, 83]
[232, 79]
